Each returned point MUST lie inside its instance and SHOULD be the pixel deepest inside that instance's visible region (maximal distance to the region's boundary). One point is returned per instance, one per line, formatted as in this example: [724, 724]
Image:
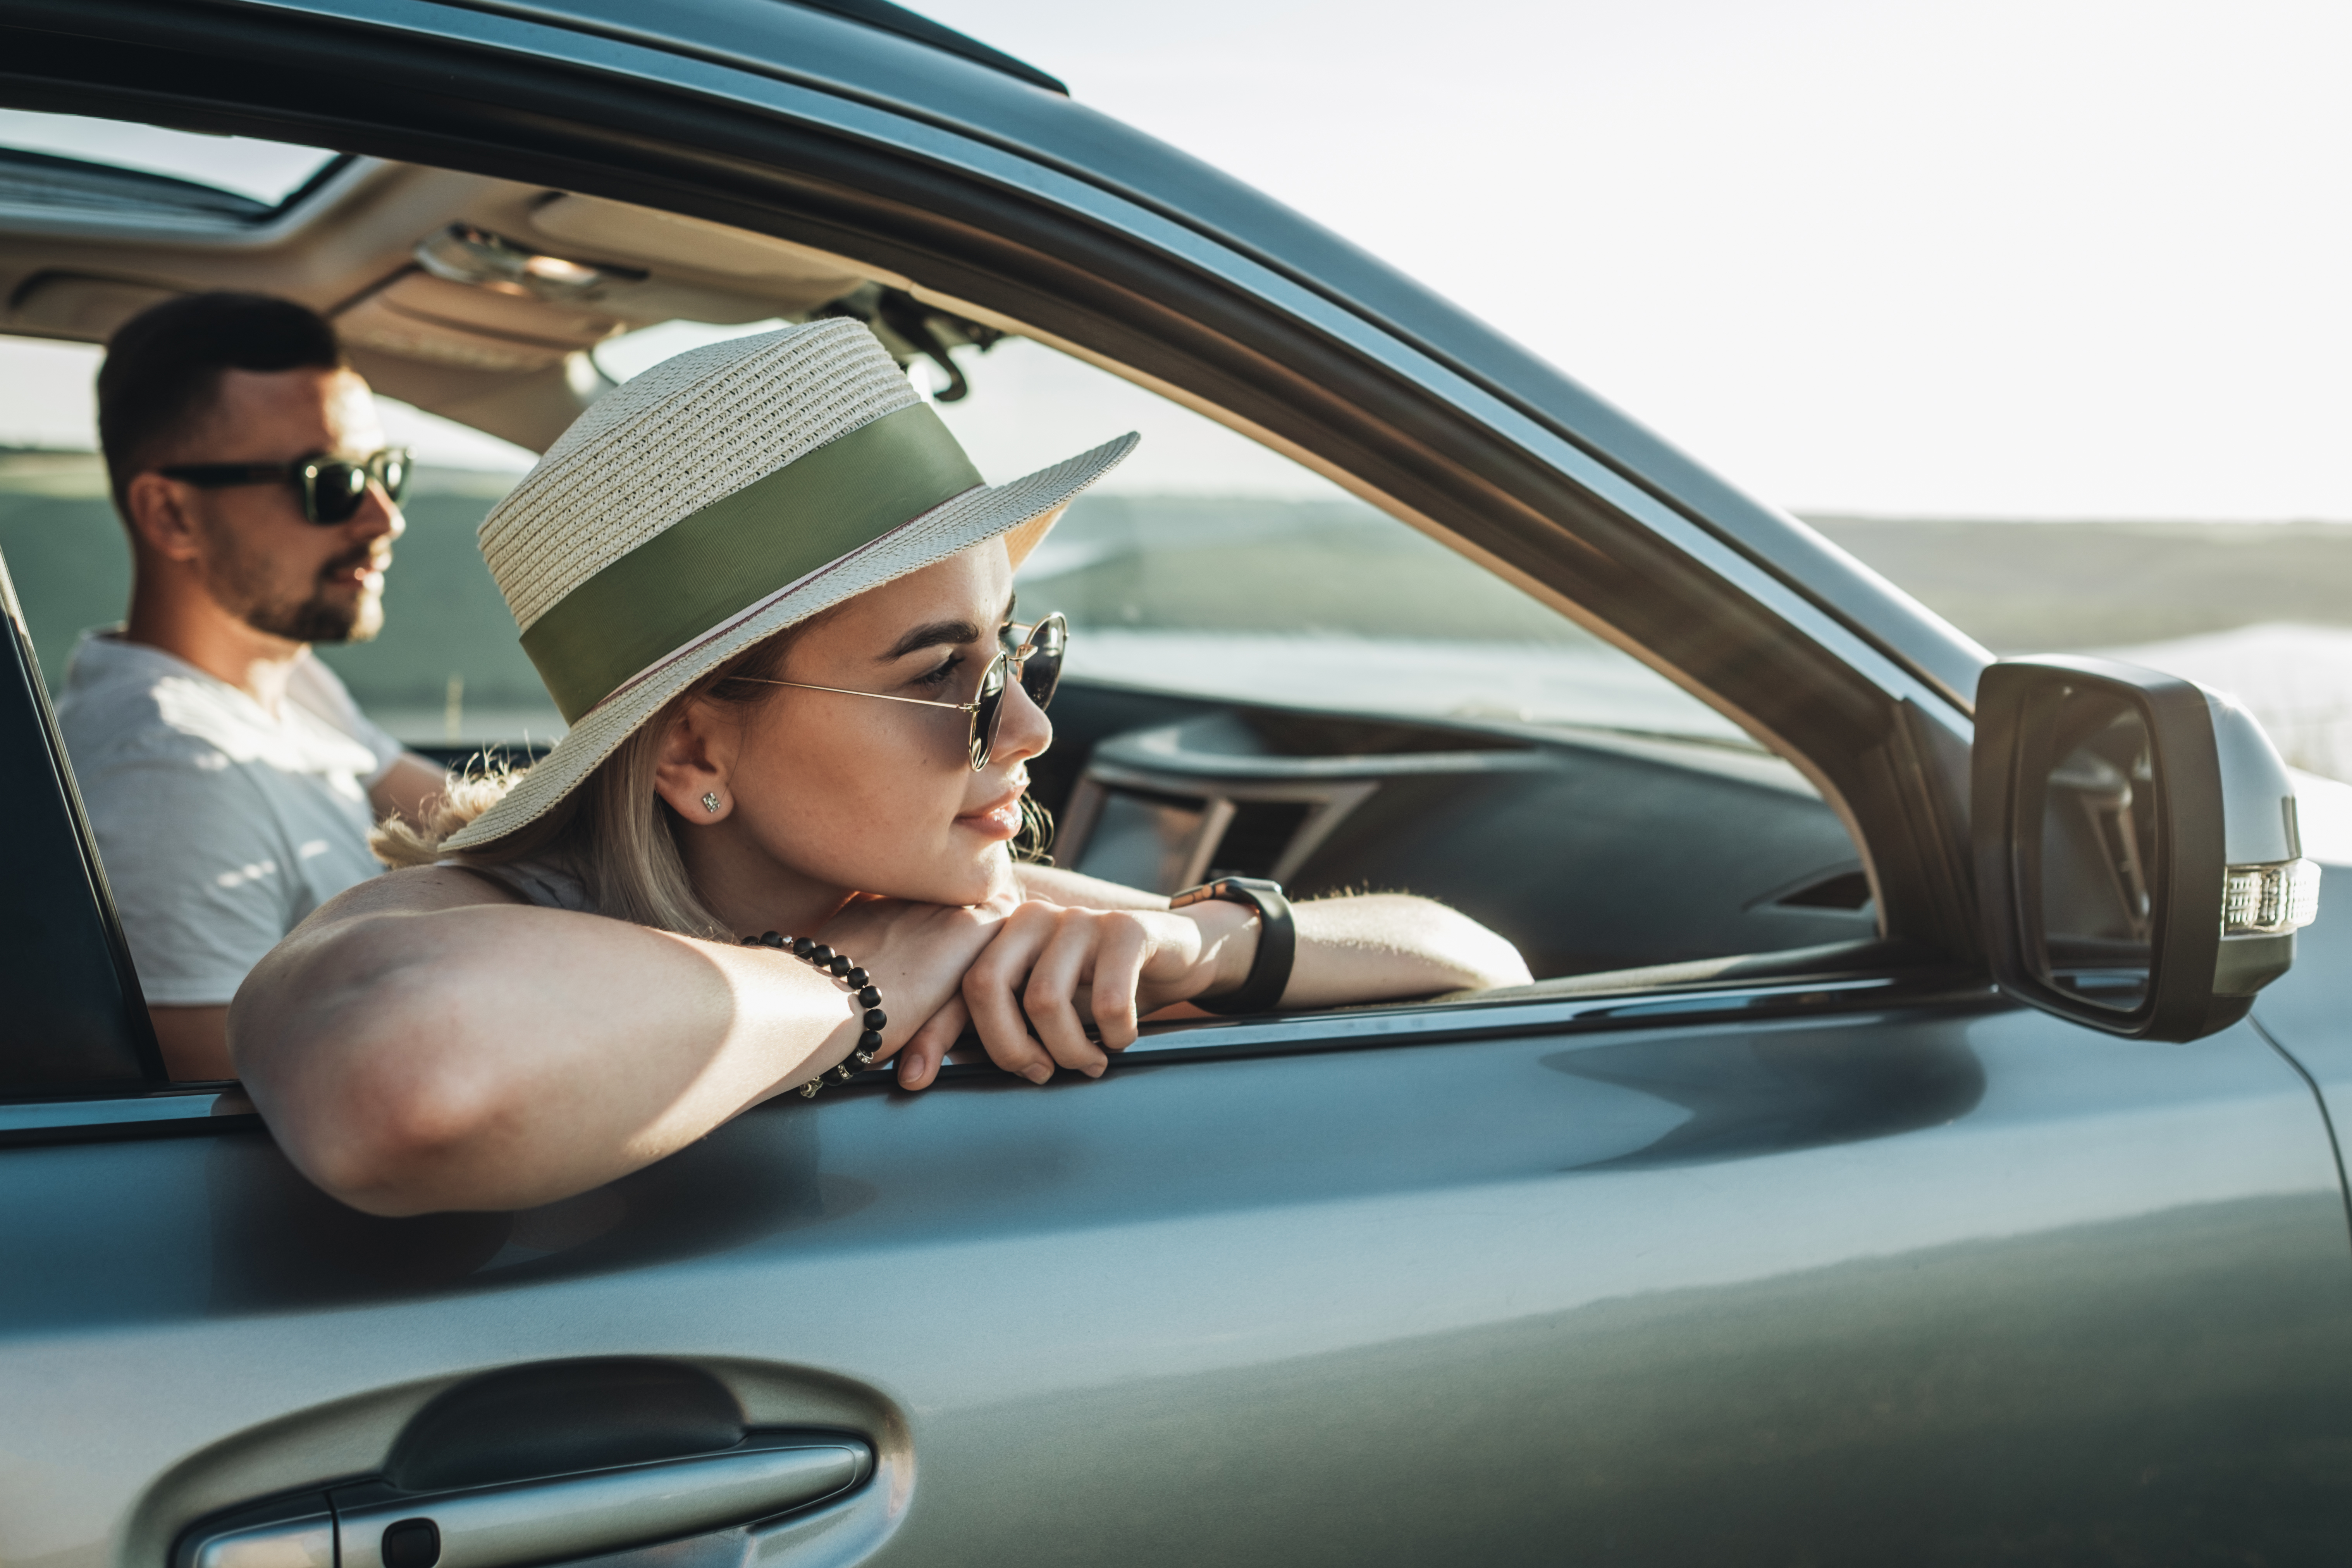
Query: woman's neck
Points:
[750, 893]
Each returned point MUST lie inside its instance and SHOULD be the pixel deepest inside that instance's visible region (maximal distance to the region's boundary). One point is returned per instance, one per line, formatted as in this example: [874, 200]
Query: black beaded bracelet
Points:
[816, 955]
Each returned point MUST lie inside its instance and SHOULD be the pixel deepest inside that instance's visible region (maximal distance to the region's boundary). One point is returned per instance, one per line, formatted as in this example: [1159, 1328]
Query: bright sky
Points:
[2012, 257]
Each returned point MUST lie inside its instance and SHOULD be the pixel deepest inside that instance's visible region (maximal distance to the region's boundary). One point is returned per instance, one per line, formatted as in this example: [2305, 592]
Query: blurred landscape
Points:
[447, 631]
[2020, 586]
[2263, 611]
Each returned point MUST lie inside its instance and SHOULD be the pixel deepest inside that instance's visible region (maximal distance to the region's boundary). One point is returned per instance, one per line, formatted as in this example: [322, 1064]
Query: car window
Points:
[1209, 564]
[1267, 675]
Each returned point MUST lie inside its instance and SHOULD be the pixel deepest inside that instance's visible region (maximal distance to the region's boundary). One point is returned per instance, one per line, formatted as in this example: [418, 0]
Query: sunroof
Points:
[68, 161]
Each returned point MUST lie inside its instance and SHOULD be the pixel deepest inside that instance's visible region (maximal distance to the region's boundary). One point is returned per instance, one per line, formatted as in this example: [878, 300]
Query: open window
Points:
[1269, 675]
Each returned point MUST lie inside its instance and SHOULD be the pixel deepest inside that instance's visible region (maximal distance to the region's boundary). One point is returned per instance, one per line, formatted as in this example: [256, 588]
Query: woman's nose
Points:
[1025, 732]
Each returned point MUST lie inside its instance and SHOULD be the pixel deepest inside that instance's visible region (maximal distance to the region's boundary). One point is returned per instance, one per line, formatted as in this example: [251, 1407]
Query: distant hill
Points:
[2020, 586]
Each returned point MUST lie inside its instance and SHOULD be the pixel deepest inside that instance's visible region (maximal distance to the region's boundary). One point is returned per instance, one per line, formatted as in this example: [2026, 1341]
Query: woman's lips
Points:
[1000, 819]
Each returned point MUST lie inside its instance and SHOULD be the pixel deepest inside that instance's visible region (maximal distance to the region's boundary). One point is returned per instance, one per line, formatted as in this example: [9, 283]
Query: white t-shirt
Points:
[220, 826]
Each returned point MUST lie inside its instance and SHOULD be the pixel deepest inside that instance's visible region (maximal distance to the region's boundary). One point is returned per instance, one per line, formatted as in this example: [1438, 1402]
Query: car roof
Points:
[906, 23]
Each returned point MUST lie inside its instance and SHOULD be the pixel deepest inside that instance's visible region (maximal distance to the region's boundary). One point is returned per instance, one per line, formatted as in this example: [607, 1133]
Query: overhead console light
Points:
[464, 254]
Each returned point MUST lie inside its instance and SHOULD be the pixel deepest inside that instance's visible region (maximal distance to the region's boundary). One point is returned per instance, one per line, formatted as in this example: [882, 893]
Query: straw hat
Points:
[716, 499]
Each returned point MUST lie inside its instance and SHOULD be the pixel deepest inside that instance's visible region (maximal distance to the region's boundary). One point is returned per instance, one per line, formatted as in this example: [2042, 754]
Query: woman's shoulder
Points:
[549, 883]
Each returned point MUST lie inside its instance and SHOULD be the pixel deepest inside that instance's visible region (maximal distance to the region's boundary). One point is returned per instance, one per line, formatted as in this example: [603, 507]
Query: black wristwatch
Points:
[1278, 941]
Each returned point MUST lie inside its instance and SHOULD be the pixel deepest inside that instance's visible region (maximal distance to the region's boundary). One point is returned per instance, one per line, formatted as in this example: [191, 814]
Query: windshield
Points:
[1209, 565]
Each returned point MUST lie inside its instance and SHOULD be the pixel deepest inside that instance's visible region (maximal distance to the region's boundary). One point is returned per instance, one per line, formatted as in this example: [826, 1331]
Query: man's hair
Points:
[163, 369]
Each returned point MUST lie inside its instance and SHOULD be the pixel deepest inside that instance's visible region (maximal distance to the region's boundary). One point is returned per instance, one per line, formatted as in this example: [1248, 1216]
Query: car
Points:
[1915, 1146]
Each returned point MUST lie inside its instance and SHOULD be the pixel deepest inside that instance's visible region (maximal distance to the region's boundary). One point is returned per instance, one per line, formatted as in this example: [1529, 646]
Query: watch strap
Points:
[1277, 943]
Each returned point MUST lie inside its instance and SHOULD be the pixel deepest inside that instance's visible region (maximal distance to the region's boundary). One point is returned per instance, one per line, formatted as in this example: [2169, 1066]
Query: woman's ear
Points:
[697, 763]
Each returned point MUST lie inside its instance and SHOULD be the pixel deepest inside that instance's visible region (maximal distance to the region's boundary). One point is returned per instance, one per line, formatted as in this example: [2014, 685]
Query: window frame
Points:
[1809, 666]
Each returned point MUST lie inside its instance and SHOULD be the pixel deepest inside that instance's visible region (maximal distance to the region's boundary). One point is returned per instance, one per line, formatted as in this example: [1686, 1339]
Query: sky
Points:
[2058, 258]
[2007, 258]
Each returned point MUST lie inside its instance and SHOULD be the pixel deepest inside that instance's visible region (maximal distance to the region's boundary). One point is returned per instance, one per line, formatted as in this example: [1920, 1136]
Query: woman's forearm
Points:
[497, 1056]
[1367, 948]
[1380, 946]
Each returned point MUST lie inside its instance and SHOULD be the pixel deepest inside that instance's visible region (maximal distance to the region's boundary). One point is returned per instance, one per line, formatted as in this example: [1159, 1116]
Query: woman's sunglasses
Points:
[332, 487]
[1035, 660]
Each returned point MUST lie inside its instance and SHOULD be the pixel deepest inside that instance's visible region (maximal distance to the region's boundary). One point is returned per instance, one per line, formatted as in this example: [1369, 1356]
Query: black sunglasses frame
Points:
[331, 489]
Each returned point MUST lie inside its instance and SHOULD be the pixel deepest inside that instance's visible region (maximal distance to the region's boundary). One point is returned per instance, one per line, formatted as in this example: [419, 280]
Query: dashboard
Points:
[1591, 851]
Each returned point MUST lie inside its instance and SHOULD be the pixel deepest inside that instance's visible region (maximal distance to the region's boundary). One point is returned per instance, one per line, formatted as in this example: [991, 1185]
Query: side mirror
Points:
[2138, 865]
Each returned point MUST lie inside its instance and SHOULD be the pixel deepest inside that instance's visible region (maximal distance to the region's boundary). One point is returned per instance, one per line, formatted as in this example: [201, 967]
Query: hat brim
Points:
[1024, 509]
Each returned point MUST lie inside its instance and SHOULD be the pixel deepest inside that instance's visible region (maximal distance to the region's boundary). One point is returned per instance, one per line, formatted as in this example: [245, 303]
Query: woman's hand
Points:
[917, 955]
[1052, 970]
[1057, 969]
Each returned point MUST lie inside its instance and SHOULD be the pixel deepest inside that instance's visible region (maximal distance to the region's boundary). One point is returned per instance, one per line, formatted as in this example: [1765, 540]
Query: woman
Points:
[774, 602]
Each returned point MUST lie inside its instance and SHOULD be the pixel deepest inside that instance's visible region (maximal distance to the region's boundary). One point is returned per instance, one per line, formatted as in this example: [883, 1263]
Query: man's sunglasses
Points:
[1036, 660]
[332, 487]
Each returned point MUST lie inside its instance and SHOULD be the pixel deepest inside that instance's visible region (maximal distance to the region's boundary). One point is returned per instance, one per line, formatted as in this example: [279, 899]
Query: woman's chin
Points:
[984, 878]
[993, 876]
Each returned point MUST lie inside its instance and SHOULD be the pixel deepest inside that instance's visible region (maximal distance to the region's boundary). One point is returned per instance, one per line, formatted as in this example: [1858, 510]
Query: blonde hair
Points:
[614, 832]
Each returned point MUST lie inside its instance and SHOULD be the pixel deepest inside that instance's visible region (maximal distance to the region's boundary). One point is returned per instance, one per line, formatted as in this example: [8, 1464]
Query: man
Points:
[230, 779]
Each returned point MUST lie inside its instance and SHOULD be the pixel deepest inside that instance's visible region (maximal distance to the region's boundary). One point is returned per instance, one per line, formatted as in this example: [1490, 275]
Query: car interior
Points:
[1290, 684]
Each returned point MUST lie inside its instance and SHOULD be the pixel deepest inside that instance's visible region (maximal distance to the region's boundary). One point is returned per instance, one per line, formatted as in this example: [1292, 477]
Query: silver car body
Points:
[1852, 1262]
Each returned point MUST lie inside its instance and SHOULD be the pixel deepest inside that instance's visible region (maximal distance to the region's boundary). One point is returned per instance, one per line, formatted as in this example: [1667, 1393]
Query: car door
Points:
[1845, 1267]
[1849, 1263]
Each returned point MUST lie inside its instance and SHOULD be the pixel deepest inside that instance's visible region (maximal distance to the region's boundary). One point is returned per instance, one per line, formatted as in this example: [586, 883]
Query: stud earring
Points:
[710, 802]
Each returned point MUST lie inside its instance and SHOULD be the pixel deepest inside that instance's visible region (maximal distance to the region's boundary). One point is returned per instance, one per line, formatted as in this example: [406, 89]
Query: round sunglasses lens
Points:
[1041, 672]
[987, 713]
[394, 470]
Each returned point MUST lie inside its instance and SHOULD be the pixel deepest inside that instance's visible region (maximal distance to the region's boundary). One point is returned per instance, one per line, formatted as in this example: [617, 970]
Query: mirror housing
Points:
[2138, 864]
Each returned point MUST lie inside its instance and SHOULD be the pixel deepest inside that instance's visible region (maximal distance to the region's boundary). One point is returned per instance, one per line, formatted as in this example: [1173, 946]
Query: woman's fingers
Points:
[1118, 961]
[919, 1060]
[1050, 997]
[1049, 968]
[992, 988]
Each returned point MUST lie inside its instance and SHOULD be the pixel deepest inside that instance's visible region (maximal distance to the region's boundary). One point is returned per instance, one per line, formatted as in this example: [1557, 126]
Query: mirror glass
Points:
[2100, 844]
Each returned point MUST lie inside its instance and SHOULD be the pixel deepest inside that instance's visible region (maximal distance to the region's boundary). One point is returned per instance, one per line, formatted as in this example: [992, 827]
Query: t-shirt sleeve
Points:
[204, 879]
[322, 691]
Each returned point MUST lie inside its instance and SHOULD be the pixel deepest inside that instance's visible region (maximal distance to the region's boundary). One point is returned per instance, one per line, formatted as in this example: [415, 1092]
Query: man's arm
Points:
[195, 1042]
[408, 788]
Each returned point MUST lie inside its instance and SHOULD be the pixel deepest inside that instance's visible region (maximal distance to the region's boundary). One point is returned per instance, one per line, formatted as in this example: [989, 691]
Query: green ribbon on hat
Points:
[715, 562]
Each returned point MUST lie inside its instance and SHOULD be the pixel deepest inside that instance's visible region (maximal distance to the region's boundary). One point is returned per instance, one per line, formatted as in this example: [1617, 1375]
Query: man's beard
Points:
[320, 617]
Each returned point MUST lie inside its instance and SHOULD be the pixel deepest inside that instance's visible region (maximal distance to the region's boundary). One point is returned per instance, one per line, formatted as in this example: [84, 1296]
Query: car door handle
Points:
[516, 1523]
